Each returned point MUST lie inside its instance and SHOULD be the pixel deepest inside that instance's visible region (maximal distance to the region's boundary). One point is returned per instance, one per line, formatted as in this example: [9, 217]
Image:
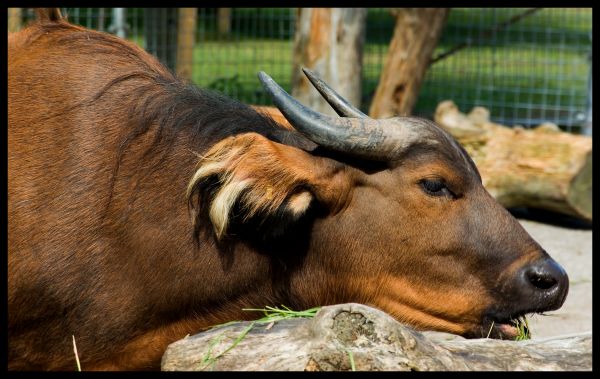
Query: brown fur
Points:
[142, 209]
[275, 114]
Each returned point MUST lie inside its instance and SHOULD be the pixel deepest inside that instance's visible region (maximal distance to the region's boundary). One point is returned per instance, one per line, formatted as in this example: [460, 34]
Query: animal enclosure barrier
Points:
[527, 66]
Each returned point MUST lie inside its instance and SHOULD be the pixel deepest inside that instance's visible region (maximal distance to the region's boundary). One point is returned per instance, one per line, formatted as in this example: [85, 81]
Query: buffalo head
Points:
[405, 223]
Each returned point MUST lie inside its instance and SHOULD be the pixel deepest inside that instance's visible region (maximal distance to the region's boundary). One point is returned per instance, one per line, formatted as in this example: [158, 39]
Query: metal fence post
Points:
[587, 128]
[119, 26]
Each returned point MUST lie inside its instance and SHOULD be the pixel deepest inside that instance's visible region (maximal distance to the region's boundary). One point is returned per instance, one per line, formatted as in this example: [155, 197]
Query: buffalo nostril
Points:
[543, 286]
[545, 274]
[542, 282]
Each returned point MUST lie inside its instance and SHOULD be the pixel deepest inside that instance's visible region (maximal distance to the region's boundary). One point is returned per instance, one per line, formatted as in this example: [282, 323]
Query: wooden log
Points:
[330, 42]
[354, 336]
[539, 168]
[416, 35]
[186, 35]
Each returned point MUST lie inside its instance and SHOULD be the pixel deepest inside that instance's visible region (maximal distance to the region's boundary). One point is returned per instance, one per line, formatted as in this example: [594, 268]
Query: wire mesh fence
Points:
[535, 70]
[525, 66]
[232, 47]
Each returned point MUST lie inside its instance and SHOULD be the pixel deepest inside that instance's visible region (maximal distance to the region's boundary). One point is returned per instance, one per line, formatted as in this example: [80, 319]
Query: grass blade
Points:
[76, 355]
[490, 331]
[351, 356]
[523, 332]
[271, 315]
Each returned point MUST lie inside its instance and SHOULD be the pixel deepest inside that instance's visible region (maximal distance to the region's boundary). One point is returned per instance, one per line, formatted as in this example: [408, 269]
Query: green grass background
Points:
[535, 70]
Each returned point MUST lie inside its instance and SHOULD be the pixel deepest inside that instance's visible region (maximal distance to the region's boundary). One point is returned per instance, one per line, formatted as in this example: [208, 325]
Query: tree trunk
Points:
[416, 35]
[330, 42]
[186, 34]
[539, 168]
[14, 19]
[224, 21]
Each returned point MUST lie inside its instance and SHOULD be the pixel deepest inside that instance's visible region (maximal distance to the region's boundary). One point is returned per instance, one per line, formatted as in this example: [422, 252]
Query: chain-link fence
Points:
[527, 66]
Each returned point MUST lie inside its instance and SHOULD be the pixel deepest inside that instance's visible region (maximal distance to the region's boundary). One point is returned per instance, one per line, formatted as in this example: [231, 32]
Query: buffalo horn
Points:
[361, 137]
[337, 102]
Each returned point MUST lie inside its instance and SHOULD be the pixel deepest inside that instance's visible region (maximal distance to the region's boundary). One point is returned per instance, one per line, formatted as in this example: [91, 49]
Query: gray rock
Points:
[353, 334]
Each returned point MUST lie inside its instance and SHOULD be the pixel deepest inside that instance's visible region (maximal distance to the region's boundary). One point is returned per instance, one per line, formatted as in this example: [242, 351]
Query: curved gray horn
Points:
[361, 137]
[337, 102]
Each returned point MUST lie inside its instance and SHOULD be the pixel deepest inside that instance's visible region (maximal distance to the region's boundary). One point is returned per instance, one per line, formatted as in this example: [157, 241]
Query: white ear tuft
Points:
[224, 201]
[260, 178]
[299, 203]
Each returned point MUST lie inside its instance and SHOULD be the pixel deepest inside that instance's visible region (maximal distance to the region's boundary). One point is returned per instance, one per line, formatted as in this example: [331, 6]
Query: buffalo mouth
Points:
[512, 328]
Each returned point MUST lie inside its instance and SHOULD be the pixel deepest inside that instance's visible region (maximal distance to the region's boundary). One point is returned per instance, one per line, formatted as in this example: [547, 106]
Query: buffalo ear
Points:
[249, 178]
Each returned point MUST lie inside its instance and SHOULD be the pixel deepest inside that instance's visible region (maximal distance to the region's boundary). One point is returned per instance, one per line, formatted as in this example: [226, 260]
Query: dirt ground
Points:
[572, 248]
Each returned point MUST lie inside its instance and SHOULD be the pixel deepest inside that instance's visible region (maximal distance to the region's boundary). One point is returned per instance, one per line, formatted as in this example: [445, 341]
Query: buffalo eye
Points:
[435, 187]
